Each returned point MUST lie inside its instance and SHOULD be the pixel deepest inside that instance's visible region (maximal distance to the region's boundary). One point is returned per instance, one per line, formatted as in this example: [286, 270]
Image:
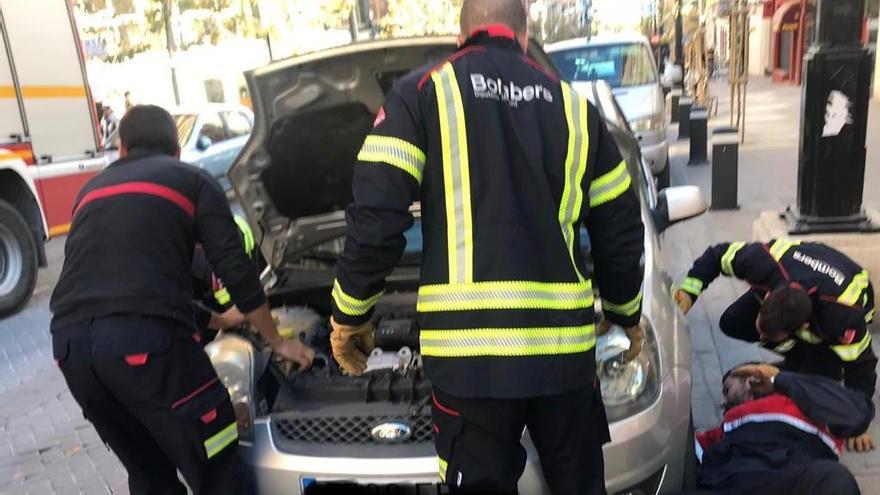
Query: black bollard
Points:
[725, 168]
[674, 109]
[699, 136]
[684, 125]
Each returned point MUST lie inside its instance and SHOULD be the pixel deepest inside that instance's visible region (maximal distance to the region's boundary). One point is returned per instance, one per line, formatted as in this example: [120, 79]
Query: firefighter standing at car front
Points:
[123, 319]
[508, 164]
[807, 301]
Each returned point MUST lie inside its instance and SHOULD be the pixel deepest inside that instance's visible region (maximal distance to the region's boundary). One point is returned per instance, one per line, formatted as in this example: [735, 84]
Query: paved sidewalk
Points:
[767, 181]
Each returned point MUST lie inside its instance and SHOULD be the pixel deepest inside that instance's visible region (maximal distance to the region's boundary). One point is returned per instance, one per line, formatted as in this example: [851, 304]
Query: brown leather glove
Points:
[684, 300]
[351, 346]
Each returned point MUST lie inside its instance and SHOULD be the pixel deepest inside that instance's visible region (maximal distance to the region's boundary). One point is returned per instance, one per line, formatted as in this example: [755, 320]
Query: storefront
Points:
[788, 41]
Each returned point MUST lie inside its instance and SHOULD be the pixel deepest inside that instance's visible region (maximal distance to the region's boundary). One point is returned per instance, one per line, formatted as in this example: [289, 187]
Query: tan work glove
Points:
[635, 334]
[684, 300]
[861, 443]
[351, 346]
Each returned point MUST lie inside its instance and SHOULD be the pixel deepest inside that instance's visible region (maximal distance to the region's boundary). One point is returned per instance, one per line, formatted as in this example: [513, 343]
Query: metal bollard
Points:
[725, 168]
[684, 125]
[699, 136]
[674, 110]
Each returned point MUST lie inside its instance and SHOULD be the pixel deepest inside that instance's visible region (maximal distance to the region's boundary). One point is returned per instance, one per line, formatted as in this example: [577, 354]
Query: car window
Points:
[237, 124]
[621, 65]
[185, 124]
[212, 128]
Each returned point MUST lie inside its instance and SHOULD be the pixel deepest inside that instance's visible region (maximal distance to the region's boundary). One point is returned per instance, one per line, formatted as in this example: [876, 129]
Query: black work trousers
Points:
[822, 477]
[738, 322]
[480, 450]
[154, 398]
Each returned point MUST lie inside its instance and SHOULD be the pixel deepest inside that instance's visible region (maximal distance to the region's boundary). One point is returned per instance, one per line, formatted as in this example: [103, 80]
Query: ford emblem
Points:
[392, 432]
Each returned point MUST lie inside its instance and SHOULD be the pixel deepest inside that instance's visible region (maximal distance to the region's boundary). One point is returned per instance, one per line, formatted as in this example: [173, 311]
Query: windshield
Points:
[185, 124]
[621, 65]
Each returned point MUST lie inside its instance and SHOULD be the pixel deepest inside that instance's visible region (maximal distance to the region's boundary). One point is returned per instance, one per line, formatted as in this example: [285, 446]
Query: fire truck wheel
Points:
[18, 260]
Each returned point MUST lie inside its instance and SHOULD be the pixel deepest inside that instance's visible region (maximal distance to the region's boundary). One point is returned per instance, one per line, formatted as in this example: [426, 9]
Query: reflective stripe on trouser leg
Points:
[220, 441]
[575, 167]
[456, 176]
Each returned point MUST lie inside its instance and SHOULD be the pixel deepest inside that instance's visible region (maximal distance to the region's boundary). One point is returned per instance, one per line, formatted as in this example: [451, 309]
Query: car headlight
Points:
[653, 123]
[627, 388]
[233, 359]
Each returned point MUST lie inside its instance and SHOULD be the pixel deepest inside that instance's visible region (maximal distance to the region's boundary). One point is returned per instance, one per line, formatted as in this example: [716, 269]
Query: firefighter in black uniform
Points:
[781, 435]
[123, 320]
[213, 307]
[508, 163]
[807, 301]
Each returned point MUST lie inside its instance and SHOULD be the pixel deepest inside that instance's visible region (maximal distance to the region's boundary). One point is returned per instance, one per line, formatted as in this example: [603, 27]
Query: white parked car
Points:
[625, 63]
[211, 136]
[300, 431]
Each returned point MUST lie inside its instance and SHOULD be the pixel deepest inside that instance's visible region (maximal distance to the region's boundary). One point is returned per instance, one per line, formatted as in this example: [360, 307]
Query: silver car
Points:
[301, 430]
[627, 65]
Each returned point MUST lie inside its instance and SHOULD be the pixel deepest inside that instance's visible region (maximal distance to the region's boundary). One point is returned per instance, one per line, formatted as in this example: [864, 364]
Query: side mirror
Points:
[676, 204]
[204, 143]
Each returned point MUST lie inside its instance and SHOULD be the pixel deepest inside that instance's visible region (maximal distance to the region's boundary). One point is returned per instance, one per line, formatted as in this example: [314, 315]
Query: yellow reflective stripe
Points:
[220, 441]
[808, 336]
[395, 152]
[576, 111]
[456, 176]
[507, 341]
[729, 255]
[222, 296]
[869, 317]
[443, 466]
[249, 242]
[854, 291]
[785, 346]
[610, 186]
[781, 246]
[852, 352]
[693, 286]
[505, 295]
[350, 305]
[627, 309]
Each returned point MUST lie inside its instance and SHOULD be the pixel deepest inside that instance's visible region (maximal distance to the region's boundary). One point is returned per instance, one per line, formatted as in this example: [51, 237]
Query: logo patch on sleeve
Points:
[380, 117]
[848, 337]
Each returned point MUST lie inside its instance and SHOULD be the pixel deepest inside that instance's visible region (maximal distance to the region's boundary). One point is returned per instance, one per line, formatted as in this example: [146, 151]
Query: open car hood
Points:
[312, 113]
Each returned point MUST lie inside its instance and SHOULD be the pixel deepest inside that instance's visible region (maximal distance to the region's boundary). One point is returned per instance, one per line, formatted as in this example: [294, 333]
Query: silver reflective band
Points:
[507, 341]
[575, 167]
[395, 152]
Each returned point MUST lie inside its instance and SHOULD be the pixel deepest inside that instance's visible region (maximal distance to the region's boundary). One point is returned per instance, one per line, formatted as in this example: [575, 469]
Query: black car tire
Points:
[689, 474]
[18, 260]
[664, 178]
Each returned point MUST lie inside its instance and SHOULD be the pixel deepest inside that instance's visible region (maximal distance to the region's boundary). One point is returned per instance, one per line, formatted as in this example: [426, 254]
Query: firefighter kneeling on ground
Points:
[123, 320]
[807, 301]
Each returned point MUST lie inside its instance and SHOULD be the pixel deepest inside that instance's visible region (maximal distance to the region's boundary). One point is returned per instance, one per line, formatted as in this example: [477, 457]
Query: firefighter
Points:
[213, 307]
[123, 321]
[808, 302]
[781, 435]
[508, 163]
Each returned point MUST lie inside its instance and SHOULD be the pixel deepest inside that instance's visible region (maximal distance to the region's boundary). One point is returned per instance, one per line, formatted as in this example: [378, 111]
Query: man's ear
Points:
[177, 153]
[460, 40]
[123, 151]
[523, 40]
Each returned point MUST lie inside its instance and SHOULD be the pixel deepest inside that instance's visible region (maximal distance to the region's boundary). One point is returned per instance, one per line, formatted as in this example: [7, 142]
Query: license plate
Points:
[311, 486]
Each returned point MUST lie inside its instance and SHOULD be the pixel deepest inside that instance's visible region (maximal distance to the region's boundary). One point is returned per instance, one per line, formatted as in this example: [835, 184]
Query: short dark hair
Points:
[785, 311]
[149, 128]
[476, 13]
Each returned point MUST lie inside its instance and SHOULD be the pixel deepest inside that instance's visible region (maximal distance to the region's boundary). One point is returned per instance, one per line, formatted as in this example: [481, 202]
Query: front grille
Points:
[336, 430]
